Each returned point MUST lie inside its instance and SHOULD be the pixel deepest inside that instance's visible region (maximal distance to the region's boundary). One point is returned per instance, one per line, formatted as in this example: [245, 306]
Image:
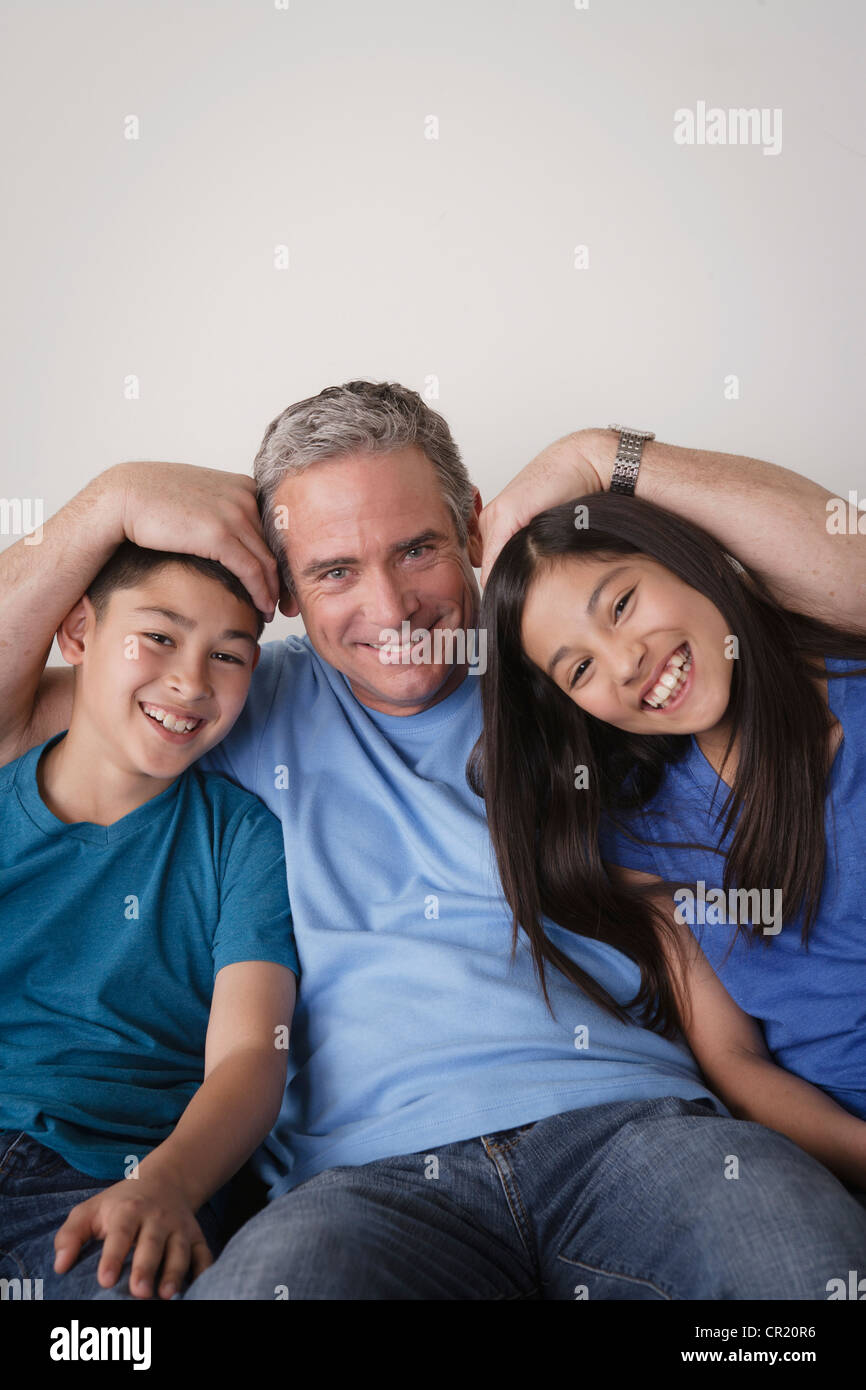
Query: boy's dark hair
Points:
[131, 563]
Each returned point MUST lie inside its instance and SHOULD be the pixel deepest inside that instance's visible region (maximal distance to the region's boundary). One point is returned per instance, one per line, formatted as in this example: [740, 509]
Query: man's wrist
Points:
[101, 501]
[599, 447]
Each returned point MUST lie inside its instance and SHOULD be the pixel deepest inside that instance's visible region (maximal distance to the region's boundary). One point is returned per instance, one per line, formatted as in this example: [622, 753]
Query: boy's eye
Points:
[157, 637]
[229, 656]
[161, 639]
[583, 665]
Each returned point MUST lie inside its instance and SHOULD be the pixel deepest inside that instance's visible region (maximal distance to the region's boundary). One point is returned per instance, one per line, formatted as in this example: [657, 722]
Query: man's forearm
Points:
[771, 518]
[41, 583]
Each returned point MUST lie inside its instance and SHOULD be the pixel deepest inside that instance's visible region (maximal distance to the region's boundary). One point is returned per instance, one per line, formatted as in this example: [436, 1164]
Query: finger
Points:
[76, 1230]
[256, 543]
[202, 1258]
[176, 1264]
[491, 547]
[149, 1251]
[248, 557]
[120, 1232]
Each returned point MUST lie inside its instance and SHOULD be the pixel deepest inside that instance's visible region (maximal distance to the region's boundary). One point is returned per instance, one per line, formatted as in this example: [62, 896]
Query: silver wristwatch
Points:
[628, 455]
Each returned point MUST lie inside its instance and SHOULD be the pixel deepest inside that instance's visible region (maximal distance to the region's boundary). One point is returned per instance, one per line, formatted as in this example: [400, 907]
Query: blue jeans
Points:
[660, 1199]
[38, 1189]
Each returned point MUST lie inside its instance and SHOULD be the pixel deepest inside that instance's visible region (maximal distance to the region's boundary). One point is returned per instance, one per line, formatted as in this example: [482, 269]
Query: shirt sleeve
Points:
[617, 848]
[255, 920]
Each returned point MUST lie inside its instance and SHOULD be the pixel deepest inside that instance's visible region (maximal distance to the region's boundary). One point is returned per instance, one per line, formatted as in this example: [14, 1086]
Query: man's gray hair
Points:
[359, 417]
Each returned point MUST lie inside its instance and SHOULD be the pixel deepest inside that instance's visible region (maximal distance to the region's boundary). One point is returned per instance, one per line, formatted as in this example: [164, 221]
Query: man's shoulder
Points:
[287, 668]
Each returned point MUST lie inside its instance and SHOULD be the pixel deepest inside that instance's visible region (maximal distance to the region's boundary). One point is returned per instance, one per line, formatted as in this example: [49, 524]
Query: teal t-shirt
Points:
[110, 940]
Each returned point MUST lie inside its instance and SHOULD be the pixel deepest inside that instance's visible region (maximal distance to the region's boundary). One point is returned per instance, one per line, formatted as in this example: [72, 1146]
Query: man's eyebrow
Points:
[333, 562]
[590, 609]
[189, 623]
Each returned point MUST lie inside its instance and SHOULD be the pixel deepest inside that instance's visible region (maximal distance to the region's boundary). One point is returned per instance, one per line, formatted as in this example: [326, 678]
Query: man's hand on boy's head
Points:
[148, 1212]
[199, 511]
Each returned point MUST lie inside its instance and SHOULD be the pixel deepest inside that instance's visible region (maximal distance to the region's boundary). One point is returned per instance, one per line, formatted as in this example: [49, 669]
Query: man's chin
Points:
[400, 685]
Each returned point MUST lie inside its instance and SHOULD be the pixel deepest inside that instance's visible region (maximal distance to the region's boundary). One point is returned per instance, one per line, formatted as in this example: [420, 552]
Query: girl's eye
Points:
[625, 598]
[583, 665]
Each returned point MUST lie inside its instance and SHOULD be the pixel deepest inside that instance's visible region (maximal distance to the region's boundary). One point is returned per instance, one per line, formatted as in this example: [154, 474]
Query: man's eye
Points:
[418, 548]
[339, 570]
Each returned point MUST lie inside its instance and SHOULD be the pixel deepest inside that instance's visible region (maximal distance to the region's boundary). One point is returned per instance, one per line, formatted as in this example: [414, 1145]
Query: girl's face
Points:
[609, 629]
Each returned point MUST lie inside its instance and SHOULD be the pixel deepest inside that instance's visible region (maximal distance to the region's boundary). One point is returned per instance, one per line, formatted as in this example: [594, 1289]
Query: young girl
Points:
[655, 723]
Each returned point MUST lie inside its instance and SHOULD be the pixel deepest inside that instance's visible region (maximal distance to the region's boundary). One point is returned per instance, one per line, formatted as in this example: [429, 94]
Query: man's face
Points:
[608, 656]
[177, 643]
[371, 544]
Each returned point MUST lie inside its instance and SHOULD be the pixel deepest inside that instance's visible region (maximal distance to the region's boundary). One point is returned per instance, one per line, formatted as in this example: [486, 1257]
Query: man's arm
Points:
[771, 518]
[160, 506]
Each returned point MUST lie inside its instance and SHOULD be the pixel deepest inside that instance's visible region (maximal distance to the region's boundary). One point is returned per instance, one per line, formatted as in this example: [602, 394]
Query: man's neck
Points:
[381, 706]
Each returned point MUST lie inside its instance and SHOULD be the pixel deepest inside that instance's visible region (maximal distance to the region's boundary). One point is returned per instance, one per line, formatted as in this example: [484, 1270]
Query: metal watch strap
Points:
[628, 457]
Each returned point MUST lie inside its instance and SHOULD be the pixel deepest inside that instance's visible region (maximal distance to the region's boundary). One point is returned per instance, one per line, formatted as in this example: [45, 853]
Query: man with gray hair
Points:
[444, 1134]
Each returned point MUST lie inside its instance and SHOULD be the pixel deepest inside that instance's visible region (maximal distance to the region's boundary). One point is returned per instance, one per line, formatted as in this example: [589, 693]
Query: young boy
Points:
[147, 959]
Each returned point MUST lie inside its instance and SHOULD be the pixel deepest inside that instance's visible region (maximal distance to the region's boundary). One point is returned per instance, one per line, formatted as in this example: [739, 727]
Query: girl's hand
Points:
[560, 472]
[150, 1213]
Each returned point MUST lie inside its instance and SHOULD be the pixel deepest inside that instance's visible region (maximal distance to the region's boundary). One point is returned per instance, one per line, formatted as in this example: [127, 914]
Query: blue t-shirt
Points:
[413, 1028]
[812, 1003]
[111, 937]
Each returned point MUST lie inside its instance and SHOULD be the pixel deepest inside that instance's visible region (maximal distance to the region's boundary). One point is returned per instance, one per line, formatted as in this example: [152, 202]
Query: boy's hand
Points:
[150, 1213]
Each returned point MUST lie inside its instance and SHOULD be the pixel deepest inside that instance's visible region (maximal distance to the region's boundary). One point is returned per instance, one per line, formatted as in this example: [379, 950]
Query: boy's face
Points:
[146, 674]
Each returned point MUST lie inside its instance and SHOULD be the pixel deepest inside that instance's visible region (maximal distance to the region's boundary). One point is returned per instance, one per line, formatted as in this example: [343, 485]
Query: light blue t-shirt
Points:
[812, 1003]
[111, 937]
[413, 1028]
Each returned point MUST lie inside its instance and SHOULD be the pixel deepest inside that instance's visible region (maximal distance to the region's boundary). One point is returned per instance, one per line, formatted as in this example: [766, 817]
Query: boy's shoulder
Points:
[11, 773]
[225, 799]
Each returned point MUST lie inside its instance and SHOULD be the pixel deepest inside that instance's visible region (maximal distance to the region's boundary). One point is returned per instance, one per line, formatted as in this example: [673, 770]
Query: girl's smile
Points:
[630, 643]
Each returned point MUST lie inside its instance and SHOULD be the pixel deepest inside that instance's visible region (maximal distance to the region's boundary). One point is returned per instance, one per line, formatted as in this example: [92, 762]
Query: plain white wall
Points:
[411, 257]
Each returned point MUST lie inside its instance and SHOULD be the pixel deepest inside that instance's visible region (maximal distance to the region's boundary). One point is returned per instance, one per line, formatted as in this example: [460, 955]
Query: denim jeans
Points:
[660, 1199]
[38, 1189]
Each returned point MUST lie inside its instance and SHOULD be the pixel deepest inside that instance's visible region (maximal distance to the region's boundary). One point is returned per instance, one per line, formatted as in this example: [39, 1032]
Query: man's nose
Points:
[387, 602]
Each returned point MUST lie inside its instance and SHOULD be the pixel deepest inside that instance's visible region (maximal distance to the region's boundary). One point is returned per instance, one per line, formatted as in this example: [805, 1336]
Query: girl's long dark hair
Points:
[544, 830]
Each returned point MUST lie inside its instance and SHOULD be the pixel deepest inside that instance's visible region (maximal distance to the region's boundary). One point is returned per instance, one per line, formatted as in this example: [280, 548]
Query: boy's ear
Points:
[70, 634]
[474, 547]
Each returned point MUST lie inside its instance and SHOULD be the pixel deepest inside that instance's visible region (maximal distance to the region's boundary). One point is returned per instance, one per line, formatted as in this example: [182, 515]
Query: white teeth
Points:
[168, 721]
[671, 680]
